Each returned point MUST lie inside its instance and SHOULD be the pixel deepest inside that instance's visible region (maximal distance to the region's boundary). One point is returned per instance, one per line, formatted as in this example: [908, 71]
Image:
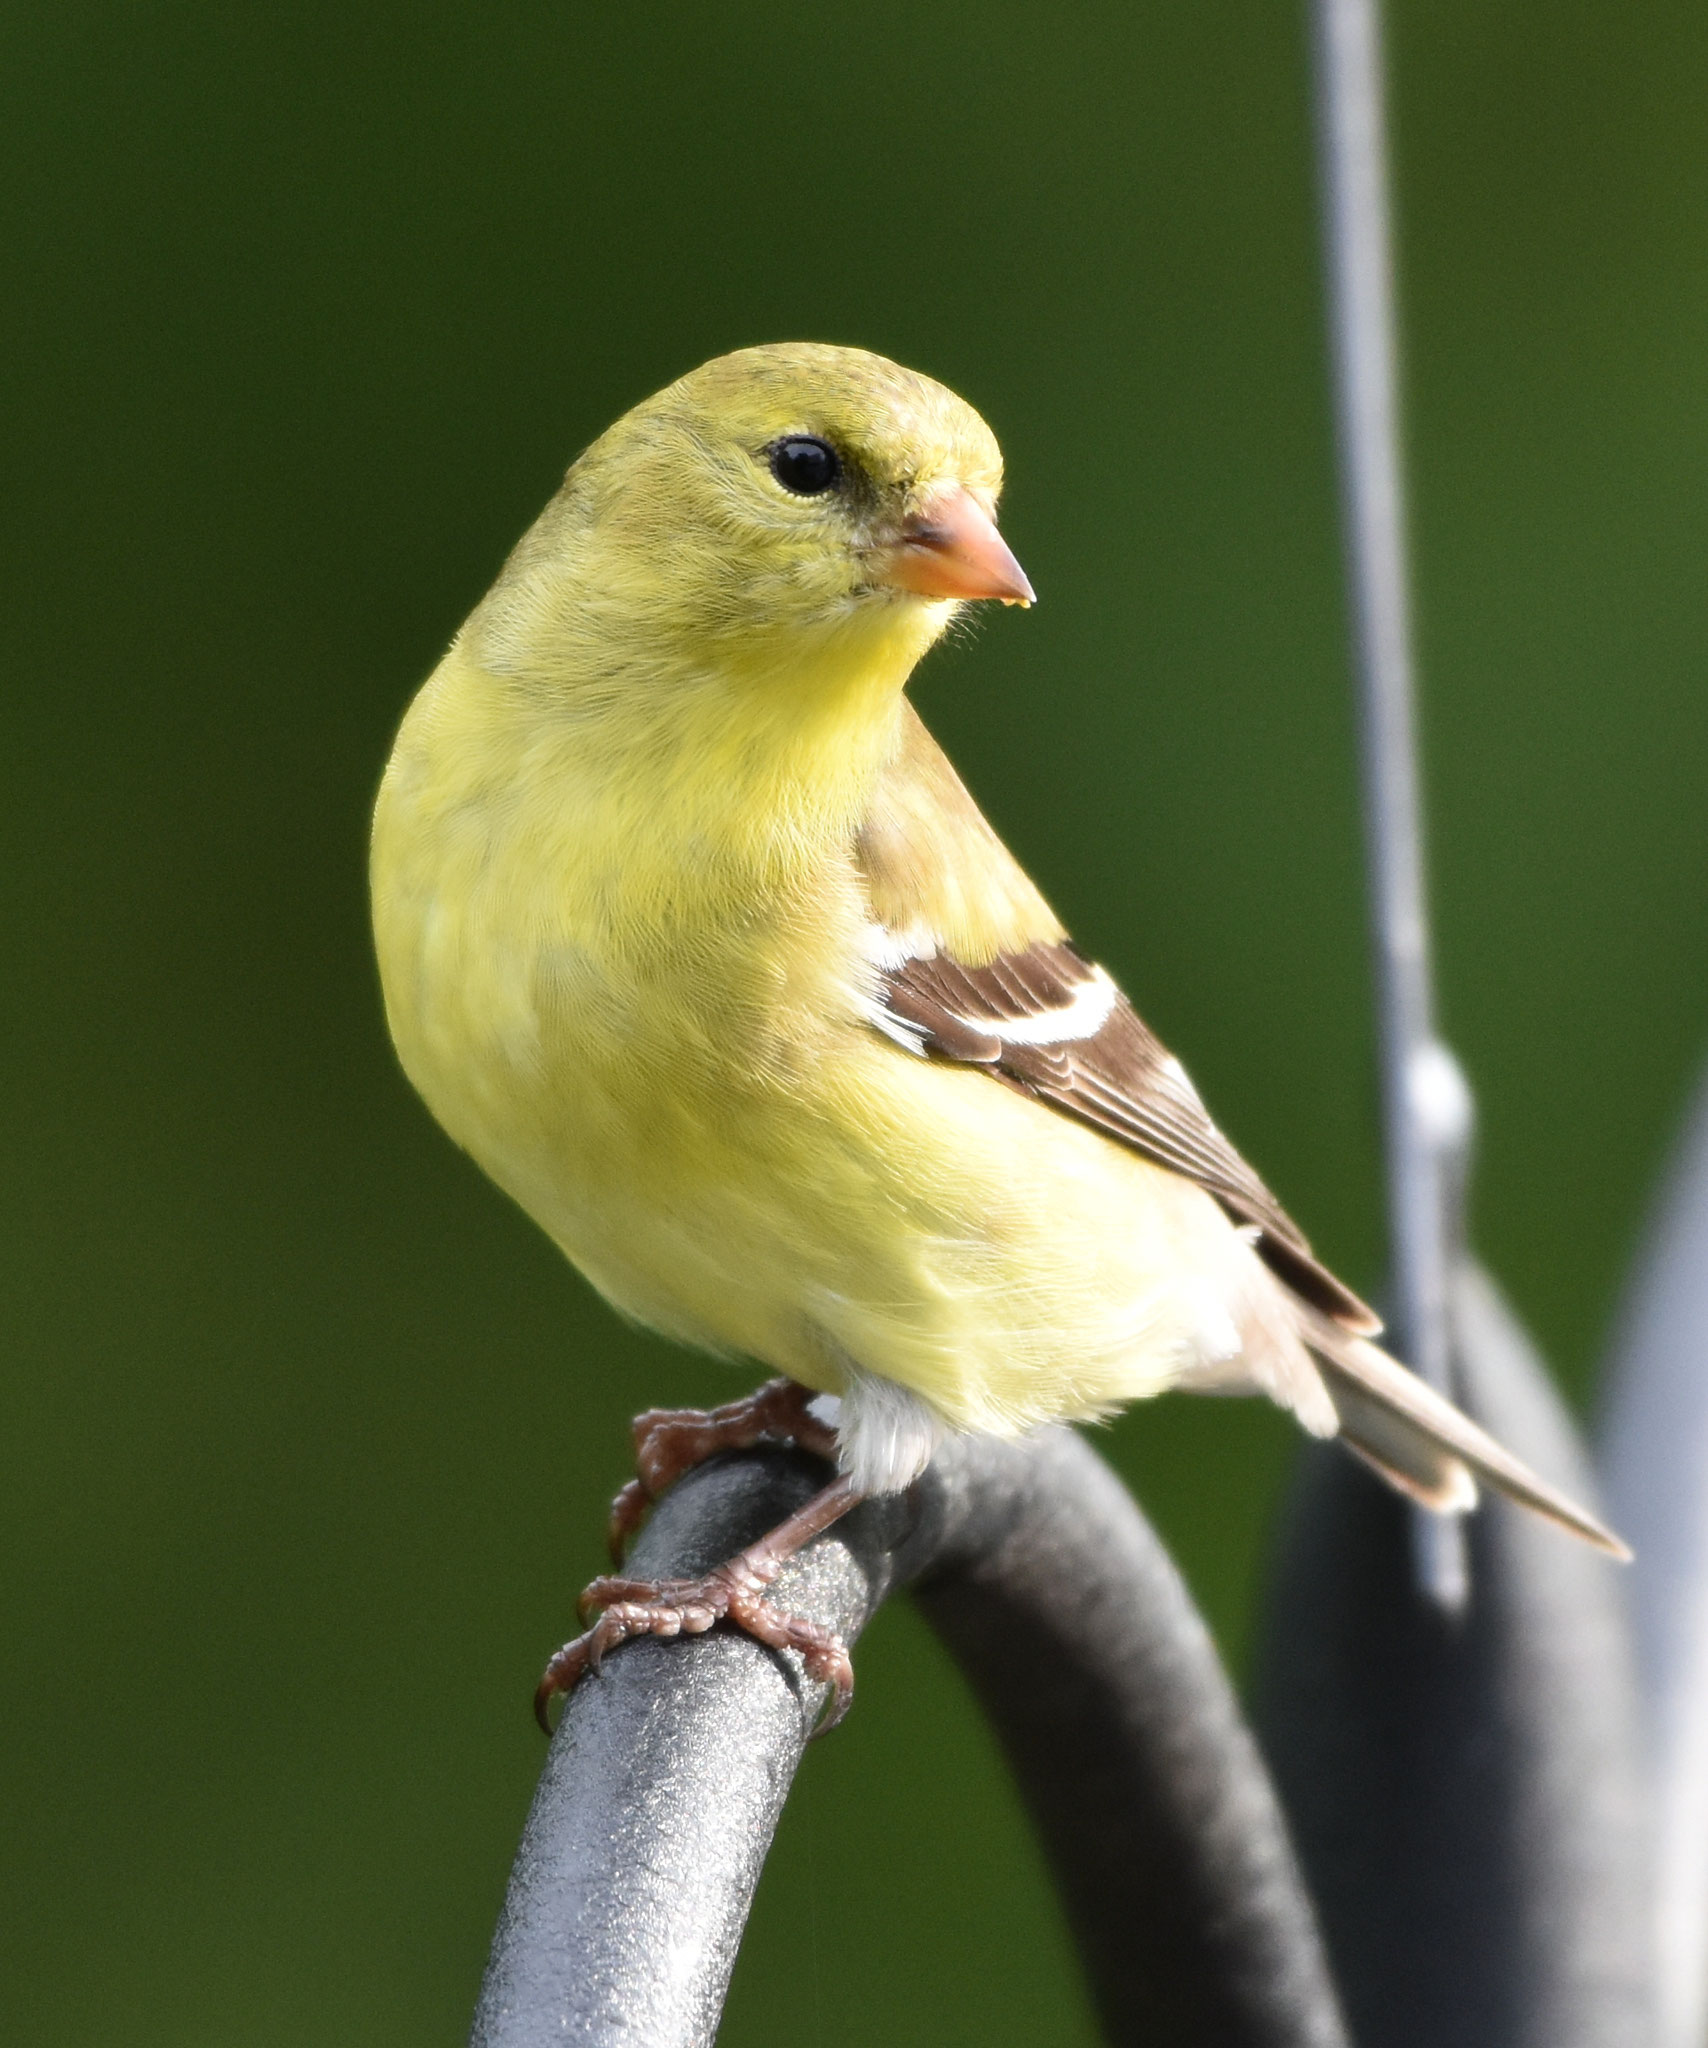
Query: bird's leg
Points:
[671, 1441]
[733, 1591]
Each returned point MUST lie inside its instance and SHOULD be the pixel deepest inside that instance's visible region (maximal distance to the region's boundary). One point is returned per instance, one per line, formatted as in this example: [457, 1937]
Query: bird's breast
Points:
[567, 1012]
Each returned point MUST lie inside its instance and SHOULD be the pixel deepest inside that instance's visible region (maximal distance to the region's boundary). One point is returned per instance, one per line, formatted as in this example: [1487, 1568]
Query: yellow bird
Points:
[692, 937]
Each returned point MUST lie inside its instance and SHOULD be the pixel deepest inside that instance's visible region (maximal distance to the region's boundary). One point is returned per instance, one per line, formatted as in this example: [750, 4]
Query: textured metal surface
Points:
[1656, 1469]
[663, 1784]
[1466, 1793]
[1073, 1627]
[666, 1776]
[1425, 1101]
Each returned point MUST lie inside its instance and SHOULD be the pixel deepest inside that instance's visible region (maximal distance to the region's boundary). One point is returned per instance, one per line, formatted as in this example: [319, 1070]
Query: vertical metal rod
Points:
[1426, 1105]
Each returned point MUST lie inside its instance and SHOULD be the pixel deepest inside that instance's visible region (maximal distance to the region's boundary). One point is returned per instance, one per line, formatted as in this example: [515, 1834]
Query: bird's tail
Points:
[1422, 1444]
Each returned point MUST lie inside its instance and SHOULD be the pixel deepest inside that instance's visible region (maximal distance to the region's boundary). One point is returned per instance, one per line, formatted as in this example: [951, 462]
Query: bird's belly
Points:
[930, 1227]
[852, 1206]
[1016, 1267]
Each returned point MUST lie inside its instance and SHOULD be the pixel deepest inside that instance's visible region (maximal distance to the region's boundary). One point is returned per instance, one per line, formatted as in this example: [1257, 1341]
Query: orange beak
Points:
[950, 548]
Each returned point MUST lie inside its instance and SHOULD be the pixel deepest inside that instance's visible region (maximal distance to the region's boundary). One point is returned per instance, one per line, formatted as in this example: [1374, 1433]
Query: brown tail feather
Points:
[1424, 1445]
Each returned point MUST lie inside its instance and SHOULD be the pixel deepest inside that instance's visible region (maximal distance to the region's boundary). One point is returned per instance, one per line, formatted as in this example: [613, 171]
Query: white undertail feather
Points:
[885, 1434]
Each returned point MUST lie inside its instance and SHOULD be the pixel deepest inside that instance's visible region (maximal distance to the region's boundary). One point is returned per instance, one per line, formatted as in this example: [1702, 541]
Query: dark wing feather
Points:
[1050, 1023]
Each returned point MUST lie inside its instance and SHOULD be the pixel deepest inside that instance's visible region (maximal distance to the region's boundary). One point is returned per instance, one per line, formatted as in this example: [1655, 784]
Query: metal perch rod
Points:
[1426, 1104]
[668, 1773]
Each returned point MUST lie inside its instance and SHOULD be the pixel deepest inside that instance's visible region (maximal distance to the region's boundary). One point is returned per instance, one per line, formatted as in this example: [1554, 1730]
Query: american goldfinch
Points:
[690, 934]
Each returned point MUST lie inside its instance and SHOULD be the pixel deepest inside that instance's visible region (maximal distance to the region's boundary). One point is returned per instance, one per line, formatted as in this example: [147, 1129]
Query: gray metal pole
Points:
[1655, 1458]
[663, 1787]
[1426, 1103]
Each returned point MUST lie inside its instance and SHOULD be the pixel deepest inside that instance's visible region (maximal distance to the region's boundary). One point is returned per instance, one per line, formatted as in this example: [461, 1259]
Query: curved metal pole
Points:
[1467, 1791]
[664, 1782]
[1655, 1458]
[667, 1775]
[1078, 1636]
[1425, 1100]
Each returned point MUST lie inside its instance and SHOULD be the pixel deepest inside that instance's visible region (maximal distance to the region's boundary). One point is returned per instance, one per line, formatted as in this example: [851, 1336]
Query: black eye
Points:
[804, 464]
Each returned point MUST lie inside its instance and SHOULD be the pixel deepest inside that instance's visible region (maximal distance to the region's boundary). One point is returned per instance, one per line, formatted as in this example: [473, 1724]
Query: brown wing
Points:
[1051, 1024]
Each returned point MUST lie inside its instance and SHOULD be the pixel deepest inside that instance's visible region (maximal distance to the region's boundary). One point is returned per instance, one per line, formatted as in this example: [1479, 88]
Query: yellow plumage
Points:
[651, 837]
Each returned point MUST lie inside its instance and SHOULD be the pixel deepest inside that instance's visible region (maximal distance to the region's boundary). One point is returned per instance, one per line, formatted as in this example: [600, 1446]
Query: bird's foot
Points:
[689, 1607]
[671, 1441]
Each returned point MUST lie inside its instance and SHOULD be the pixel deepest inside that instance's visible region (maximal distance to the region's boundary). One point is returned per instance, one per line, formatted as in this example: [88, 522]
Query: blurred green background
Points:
[306, 1435]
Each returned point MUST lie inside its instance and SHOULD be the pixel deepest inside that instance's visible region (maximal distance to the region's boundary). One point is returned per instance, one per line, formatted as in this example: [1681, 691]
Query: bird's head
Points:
[773, 501]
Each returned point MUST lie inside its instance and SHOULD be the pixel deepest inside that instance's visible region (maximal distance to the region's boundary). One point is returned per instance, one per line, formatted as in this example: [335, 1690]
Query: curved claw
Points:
[628, 1512]
[827, 1660]
[836, 1707]
[565, 1671]
[562, 1674]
